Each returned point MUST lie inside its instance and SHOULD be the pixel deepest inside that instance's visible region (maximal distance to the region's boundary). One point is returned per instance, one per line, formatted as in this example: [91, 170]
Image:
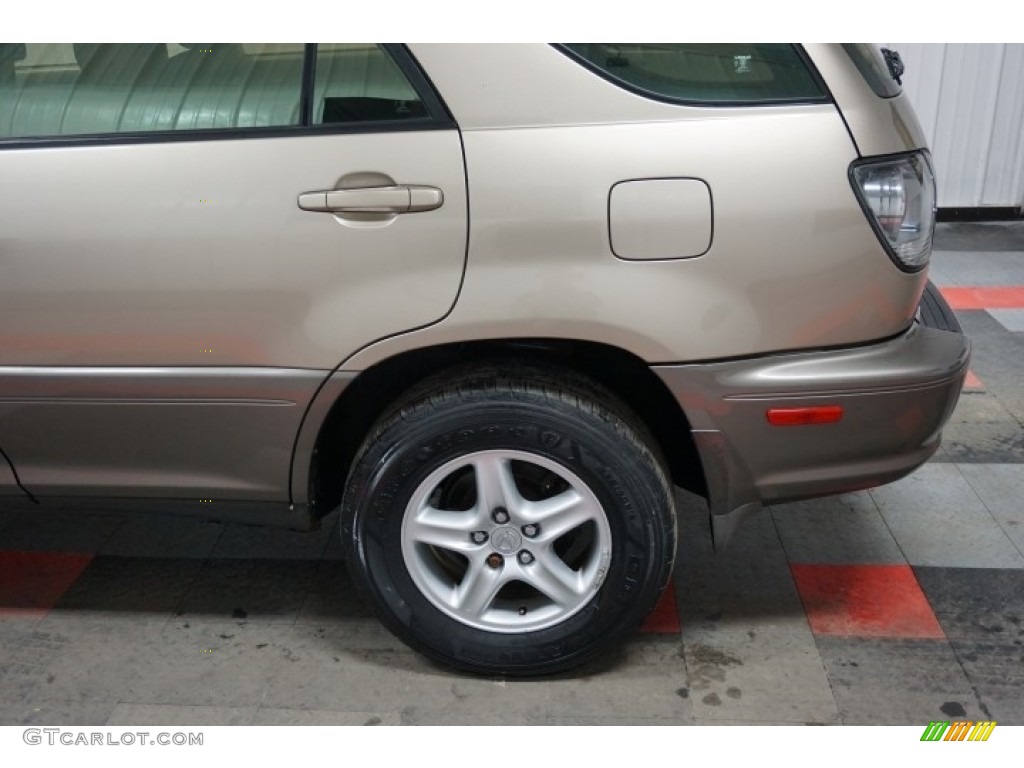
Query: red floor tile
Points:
[664, 619]
[972, 383]
[984, 297]
[865, 601]
[32, 582]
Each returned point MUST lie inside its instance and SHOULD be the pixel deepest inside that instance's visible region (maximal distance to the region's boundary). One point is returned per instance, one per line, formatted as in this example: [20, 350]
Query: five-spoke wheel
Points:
[506, 541]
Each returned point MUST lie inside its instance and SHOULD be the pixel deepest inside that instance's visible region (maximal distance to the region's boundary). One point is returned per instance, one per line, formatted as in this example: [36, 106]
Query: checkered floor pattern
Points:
[899, 605]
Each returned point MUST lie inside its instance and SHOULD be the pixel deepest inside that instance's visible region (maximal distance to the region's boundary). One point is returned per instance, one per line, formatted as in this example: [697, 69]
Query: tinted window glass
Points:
[87, 88]
[358, 83]
[872, 66]
[712, 73]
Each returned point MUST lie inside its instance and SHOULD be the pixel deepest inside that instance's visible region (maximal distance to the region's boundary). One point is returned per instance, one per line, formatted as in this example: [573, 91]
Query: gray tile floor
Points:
[176, 622]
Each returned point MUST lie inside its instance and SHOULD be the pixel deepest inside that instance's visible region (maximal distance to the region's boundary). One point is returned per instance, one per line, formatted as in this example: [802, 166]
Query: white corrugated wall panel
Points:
[970, 100]
[1004, 178]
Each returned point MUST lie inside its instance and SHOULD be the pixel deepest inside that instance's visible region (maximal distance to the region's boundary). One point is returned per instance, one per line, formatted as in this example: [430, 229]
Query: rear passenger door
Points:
[192, 236]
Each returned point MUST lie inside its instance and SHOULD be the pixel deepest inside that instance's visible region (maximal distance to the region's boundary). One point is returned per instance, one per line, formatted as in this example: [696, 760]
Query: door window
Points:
[95, 89]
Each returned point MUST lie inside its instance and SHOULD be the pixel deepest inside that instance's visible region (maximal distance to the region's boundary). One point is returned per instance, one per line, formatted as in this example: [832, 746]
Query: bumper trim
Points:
[896, 395]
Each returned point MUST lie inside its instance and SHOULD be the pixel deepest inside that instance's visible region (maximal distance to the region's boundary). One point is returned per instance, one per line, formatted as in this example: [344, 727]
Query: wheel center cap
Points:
[506, 540]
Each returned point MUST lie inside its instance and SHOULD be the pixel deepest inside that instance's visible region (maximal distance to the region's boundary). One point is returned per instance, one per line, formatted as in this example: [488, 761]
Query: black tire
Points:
[558, 419]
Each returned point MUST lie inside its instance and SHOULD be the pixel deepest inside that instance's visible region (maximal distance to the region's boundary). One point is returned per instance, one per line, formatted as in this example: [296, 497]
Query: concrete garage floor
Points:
[896, 606]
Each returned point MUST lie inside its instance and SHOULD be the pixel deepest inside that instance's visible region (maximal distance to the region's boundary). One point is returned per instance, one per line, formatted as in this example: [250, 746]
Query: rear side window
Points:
[724, 74]
[90, 89]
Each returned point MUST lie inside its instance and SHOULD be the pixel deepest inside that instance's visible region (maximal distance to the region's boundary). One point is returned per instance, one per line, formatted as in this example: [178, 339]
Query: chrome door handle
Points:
[397, 199]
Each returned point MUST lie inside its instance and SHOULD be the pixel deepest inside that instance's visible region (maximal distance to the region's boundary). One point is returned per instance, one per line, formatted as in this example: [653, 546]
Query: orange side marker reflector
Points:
[798, 417]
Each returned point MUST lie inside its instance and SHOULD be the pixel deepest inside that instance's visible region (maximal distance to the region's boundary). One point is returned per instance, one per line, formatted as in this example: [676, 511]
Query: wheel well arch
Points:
[364, 399]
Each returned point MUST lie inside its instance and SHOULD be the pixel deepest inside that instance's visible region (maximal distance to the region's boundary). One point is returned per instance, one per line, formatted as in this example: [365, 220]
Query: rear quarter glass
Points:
[719, 74]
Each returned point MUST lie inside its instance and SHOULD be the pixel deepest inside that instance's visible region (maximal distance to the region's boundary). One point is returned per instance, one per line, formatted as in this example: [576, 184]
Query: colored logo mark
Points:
[964, 730]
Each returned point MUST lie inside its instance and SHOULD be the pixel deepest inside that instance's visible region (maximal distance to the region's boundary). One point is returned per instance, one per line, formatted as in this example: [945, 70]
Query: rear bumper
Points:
[896, 396]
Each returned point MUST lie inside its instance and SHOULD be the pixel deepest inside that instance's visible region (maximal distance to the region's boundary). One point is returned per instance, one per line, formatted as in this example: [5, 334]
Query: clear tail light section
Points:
[898, 194]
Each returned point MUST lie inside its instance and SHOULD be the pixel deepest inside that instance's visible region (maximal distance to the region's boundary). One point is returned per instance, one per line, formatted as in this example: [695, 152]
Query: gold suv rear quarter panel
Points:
[793, 264]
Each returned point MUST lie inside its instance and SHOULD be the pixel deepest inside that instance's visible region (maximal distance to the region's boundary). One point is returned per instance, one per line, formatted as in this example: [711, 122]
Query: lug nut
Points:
[478, 537]
[494, 560]
[530, 530]
[525, 557]
[500, 515]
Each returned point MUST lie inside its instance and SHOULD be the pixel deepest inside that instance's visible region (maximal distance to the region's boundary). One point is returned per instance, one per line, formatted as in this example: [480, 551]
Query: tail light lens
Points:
[899, 196]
